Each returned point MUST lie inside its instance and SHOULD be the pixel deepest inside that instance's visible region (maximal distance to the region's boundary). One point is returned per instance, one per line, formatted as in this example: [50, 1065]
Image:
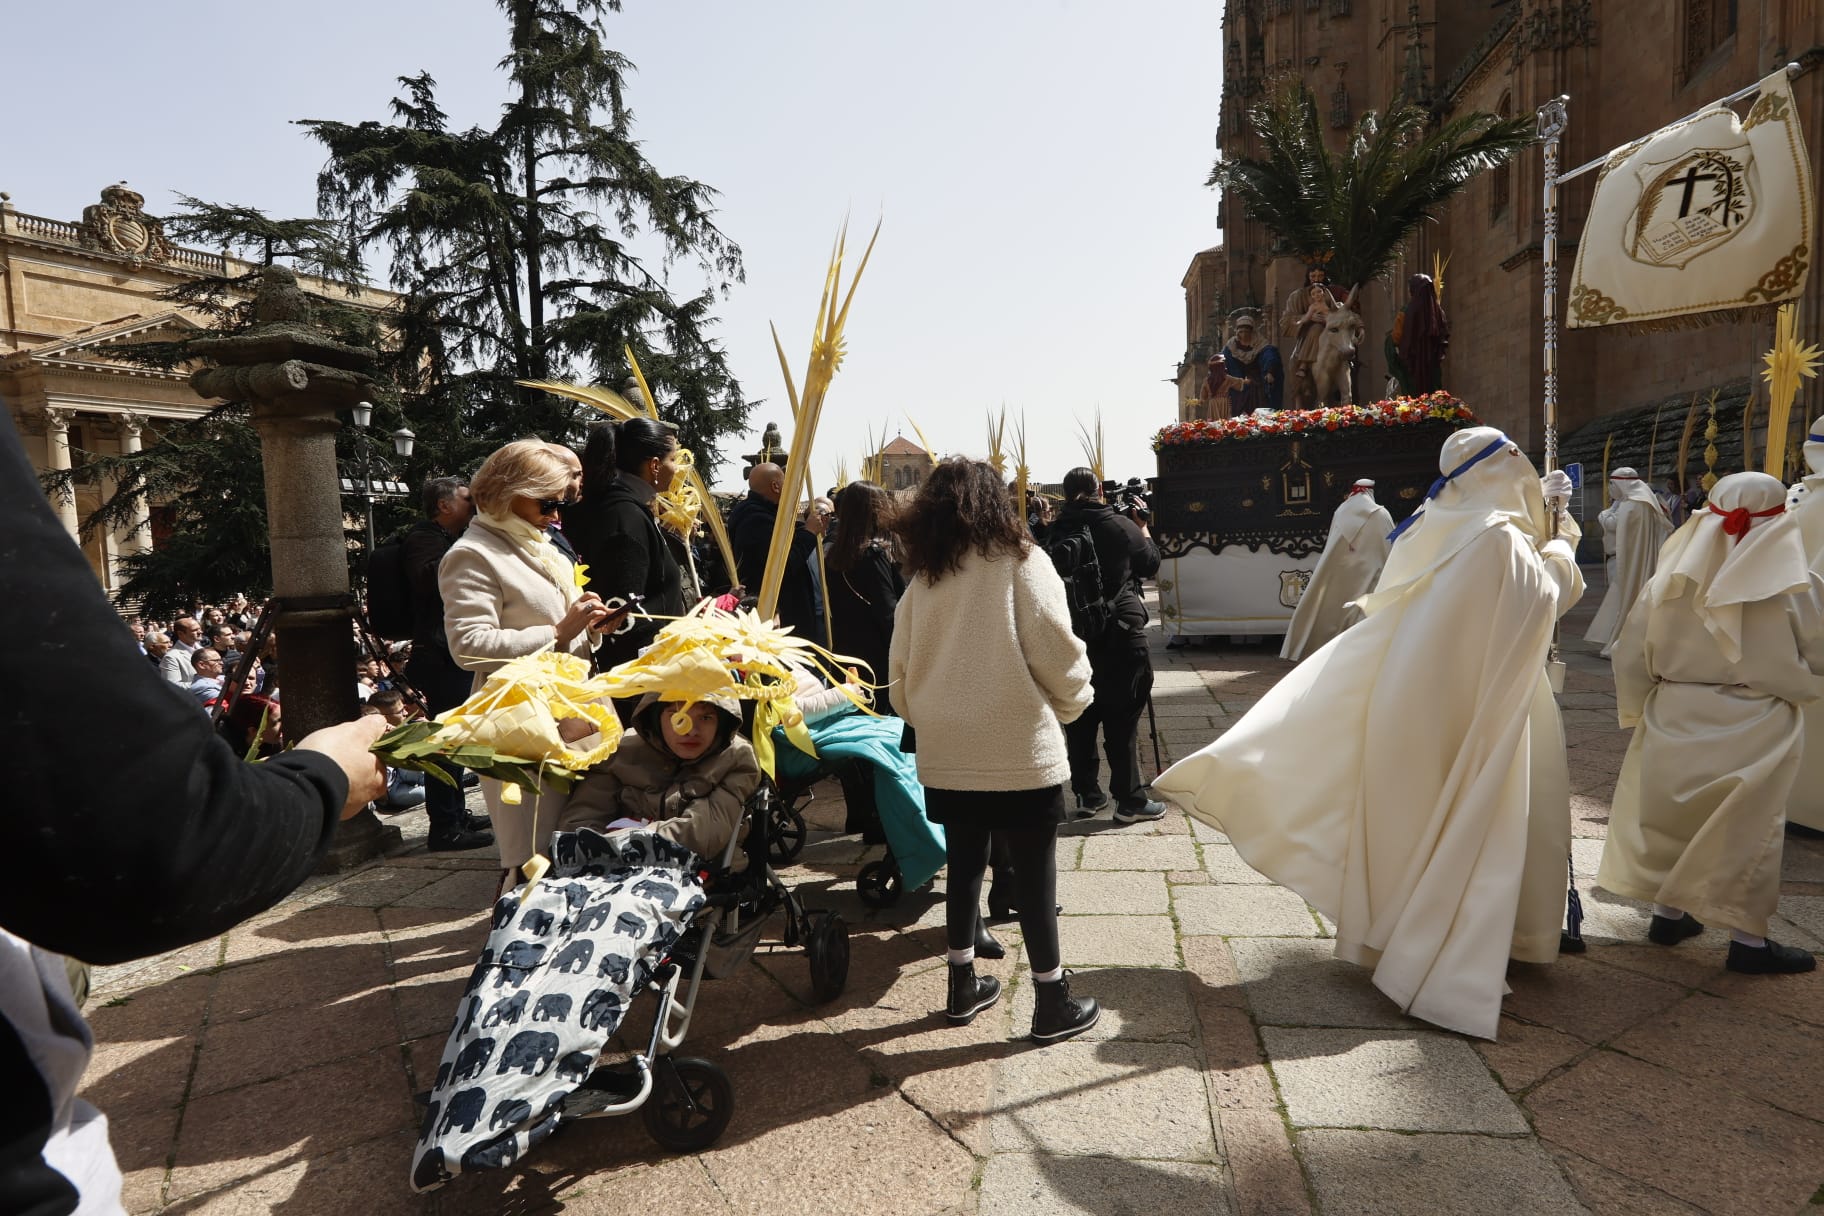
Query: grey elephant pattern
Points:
[618, 903]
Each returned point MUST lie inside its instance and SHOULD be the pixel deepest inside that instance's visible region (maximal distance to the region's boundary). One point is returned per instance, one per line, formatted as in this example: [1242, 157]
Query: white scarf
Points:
[1722, 571]
[535, 544]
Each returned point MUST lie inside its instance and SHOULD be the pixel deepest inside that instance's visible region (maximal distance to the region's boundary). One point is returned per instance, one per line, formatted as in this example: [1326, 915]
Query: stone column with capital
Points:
[57, 459]
[294, 378]
[136, 537]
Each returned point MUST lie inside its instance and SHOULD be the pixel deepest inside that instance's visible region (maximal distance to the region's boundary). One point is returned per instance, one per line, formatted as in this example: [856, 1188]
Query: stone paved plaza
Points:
[1237, 1068]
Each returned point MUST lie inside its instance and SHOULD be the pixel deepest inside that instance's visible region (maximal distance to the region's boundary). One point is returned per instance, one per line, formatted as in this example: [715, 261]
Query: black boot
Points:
[985, 945]
[1665, 931]
[1056, 1015]
[969, 993]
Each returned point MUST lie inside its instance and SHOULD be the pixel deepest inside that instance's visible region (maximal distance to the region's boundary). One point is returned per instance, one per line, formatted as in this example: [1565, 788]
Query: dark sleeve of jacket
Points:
[752, 536]
[130, 826]
[1142, 553]
[883, 586]
[422, 550]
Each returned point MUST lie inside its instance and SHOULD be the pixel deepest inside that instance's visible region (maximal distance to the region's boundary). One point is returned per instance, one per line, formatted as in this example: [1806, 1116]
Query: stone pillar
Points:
[294, 378]
[57, 459]
[136, 537]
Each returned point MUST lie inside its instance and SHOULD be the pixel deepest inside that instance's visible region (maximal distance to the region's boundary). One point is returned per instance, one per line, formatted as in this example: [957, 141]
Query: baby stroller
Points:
[879, 884]
[686, 1102]
[551, 1070]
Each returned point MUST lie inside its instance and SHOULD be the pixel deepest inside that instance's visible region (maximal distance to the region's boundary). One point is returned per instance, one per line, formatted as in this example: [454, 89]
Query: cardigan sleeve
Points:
[1054, 654]
[472, 598]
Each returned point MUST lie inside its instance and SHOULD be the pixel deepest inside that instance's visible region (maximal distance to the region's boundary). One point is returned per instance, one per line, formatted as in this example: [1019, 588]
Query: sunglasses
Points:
[550, 506]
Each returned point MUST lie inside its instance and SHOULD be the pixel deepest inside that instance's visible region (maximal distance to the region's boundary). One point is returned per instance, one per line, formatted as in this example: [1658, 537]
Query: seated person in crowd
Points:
[207, 686]
[404, 786]
[687, 785]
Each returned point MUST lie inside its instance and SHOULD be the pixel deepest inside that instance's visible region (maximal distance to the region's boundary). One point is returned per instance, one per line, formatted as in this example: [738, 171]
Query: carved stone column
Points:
[57, 457]
[294, 378]
[136, 537]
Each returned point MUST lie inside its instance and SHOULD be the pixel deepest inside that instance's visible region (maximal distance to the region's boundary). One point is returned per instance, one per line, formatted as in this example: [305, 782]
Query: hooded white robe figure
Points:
[1712, 666]
[1409, 778]
[1641, 527]
[1354, 553]
[1805, 806]
[1608, 613]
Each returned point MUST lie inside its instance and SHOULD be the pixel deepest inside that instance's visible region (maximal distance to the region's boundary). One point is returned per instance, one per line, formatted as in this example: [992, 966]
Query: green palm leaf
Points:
[1362, 205]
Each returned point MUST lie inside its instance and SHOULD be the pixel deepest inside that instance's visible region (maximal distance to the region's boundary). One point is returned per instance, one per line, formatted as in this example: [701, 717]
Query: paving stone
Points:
[1110, 1099]
[258, 1049]
[1720, 1043]
[314, 1111]
[1212, 968]
[1039, 1184]
[1237, 1071]
[1734, 1154]
[1367, 1173]
[1127, 892]
[384, 884]
[294, 927]
[879, 1156]
[142, 1142]
[1242, 911]
[302, 977]
[1118, 941]
[1226, 865]
[1268, 1181]
[156, 1011]
[683, 1183]
[1525, 1054]
[462, 889]
[1603, 1190]
[139, 1075]
[1188, 878]
[1139, 1005]
[1203, 833]
[1159, 853]
[1799, 997]
[1387, 1080]
[326, 1185]
[1585, 998]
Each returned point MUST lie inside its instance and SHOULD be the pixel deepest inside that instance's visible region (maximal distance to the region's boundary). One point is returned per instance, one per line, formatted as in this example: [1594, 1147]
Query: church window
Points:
[1500, 178]
[1339, 8]
[1707, 25]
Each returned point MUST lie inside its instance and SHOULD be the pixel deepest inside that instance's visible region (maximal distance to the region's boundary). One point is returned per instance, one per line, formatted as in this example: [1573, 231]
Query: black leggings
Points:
[1033, 855]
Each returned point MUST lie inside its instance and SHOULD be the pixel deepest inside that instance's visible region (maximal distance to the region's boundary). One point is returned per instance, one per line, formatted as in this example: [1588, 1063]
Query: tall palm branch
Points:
[1361, 206]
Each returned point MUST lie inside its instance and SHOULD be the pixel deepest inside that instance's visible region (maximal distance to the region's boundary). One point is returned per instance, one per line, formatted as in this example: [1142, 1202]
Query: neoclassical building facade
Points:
[71, 293]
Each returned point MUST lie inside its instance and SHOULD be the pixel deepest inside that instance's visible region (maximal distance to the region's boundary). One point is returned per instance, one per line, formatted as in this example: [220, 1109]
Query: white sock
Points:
[1747, 939]
[1048, 977]
[961, 958]
[1668, 911]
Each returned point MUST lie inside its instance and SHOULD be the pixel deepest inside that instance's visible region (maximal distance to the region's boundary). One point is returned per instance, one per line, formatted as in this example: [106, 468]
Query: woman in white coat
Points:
[508, 592]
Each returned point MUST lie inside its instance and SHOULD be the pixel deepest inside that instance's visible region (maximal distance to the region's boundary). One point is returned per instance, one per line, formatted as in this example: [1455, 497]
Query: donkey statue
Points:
[1332, 379]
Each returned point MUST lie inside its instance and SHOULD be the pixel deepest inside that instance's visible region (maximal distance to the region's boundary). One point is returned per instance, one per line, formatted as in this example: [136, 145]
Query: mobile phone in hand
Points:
[618, 616]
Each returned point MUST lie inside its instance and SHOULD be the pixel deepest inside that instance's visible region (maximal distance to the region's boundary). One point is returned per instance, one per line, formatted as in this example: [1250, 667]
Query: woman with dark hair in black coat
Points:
[864, 583]
[617, 535]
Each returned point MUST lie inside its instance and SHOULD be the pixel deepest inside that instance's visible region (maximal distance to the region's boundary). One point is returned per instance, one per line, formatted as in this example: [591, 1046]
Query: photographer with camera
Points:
[1102, 553]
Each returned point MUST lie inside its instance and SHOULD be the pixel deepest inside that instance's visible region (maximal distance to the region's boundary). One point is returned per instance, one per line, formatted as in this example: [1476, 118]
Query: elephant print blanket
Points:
[547, 993]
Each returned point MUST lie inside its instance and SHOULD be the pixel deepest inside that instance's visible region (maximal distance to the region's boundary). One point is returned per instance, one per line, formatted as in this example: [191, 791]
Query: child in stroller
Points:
[629, 864]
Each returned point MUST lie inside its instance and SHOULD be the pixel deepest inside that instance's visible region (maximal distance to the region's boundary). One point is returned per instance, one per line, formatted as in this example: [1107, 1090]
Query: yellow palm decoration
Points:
[1093, 446]
[922, 441]
[997, 431]
[1021, 475]
[807, 408]
[1788, 362]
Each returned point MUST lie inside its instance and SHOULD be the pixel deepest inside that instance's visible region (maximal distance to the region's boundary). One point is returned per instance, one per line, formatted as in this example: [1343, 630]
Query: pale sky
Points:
[1038, 165]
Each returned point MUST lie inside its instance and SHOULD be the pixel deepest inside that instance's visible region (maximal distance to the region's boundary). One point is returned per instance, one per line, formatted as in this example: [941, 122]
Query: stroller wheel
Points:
[879, 884]
[826, 946]
[692, 1101]
[786, 834]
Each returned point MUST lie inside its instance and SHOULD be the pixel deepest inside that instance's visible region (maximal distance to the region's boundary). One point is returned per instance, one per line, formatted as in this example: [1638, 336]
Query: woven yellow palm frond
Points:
[1091, 439]
[639, 378]
[1790, 361]
[604, 399]
[1605, 471]
[997, 433]
[1021, 474]
[922, 441]
[807, 408]
[508, 729]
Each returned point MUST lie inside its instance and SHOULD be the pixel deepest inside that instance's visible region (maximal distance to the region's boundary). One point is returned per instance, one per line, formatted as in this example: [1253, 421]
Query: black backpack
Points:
[1073, 554]
[389, 594]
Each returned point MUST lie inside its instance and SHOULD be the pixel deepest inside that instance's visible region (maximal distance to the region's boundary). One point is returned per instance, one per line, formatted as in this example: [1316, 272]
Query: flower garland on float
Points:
[1393, 412]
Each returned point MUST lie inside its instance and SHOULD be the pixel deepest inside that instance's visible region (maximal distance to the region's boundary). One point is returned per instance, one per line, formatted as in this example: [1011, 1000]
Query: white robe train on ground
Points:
[1397, 782]
[1354, 553]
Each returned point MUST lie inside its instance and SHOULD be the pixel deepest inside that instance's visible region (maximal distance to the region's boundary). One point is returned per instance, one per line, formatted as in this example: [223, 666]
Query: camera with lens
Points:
[1128, 499]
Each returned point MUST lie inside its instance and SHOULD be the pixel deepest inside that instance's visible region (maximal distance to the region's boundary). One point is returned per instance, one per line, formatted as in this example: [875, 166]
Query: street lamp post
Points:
[362, 415]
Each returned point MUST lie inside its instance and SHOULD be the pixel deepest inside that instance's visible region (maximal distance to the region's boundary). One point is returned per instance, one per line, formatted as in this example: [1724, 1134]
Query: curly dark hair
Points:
[864, 512]
[963, 505]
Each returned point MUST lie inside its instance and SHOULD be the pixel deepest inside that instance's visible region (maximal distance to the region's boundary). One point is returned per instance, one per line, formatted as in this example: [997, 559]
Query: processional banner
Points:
[1709, 219]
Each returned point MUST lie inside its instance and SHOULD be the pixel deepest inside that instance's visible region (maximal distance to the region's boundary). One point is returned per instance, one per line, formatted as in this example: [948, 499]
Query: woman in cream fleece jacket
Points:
[985, 669]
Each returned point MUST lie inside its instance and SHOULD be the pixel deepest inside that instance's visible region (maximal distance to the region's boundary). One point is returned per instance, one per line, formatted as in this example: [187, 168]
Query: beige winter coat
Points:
[499, 604]
[696, 805]
[985, 669]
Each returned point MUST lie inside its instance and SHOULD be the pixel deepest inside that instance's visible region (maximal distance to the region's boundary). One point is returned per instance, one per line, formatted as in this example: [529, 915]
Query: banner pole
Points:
[1553, 119]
